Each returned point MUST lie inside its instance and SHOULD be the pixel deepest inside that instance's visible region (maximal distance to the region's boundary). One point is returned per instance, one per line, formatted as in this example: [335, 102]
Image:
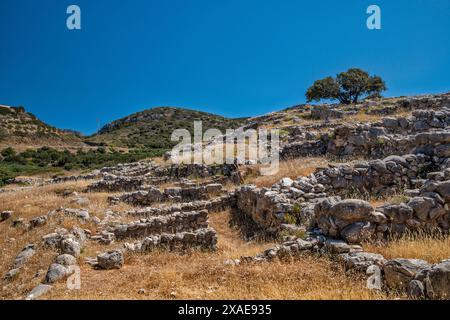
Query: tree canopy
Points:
[347, 87]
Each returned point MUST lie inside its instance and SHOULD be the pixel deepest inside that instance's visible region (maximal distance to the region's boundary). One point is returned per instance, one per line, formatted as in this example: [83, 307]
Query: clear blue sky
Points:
[231, 57]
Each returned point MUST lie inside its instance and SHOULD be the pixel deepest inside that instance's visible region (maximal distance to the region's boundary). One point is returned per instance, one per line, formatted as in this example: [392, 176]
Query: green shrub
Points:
[290, 219]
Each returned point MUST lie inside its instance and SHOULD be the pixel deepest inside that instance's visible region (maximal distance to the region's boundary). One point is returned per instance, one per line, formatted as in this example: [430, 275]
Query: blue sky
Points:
[231, 57]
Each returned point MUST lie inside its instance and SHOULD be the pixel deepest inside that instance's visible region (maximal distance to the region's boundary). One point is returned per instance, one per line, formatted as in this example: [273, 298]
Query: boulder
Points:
[443, 188]
[399, 272]
[5, 215]
[38, 222]
[352, 210]
[421, 206]
[438, 281]
[66, 260]
[70, 246]
[416, 289]
[286, 182]
[358, 232]
[360, 261]
[24, 255]
[55, 272]
[110, 260]
[38, 291]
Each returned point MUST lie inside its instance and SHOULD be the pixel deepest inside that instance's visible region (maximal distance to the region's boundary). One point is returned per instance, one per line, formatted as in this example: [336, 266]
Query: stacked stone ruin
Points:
[415, 151]
[153, 195]
[175, 218]
[417, 278]
[390, 136]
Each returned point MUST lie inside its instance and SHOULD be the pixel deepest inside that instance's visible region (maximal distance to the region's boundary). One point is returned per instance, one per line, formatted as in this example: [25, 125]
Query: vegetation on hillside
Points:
[46, 159]
[17, 126]
[153, 128]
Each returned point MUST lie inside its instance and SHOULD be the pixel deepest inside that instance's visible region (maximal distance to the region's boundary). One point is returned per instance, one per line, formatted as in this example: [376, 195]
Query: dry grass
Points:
[396, 198]
[203, 275]
[29, 203]
[431, 248]
[290, 168]
[164, 275]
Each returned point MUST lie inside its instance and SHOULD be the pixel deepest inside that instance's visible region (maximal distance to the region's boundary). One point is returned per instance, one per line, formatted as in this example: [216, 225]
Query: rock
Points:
[55, 272]
[24, 255]
[421, 207]
[5, 215]
[352, 210]
[438, 281]
[83, 215]
[442, 151]
[337, 246]
[81, 201]
[443, 188]
[70, 246]
[110, 260]
[399, 272]
[38, 222]
[416, 289]
[19, 222]
[52, 240]
[390, 123]
[232, 262]
[11, 274]
[360, 261]
[66, 260]
[358, 232]
[286, 182]
[38, 291]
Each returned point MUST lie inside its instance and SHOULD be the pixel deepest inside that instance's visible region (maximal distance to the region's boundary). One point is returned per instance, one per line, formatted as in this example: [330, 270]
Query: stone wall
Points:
[173, 223]
[267, 209]
[176, 194]
[357, 221]
[417, 278]
[214, 205]
[203, 239]
[390, 136]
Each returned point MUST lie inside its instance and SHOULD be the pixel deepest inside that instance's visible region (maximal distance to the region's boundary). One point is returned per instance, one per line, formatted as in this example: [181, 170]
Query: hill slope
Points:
[152, 128]
[21, 130]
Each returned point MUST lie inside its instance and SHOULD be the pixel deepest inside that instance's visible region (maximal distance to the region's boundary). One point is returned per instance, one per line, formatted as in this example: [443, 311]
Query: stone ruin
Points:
[315, 214]
[153, 195]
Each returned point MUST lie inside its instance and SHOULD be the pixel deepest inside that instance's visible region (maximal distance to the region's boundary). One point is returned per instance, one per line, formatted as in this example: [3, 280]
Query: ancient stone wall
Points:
[173, 223]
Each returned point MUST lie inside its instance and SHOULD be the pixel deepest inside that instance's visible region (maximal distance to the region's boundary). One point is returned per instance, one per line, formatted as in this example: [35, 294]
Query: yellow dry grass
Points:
[431, 248]
[203, 275]
[164, 275]
[290, 168]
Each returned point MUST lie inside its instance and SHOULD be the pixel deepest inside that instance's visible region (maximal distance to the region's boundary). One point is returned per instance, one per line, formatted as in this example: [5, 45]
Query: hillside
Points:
[358, 188]
[152, 128]
[22, 130]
